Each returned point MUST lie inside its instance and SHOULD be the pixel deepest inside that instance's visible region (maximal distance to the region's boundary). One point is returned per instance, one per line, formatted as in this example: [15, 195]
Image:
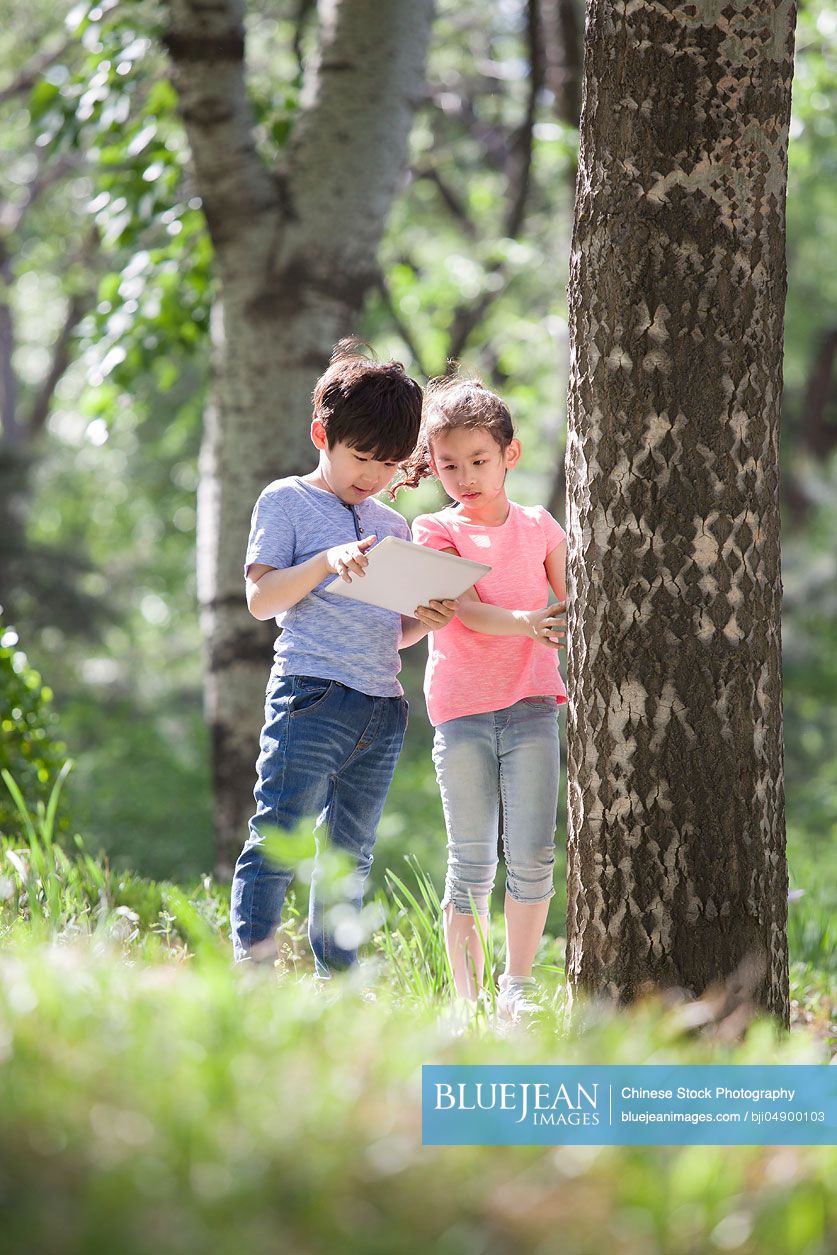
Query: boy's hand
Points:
[351, 559]
[437, 614]
[549, 626]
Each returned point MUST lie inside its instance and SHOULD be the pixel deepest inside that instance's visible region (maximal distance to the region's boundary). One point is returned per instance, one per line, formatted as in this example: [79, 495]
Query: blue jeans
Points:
[327, 751]
[500, 765]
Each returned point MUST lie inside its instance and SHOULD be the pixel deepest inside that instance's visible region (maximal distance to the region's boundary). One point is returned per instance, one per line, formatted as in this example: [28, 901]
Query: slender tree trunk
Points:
[677, 871]
[22, 420]
[295, 254]
[563, 37]
[562, 40]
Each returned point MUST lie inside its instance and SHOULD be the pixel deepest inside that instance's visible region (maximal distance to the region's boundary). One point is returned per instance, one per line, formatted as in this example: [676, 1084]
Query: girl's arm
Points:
[556, 570]
[545, 625]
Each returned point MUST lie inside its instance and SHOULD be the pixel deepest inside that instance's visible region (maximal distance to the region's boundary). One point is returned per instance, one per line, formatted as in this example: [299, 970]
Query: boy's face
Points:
[350, 474]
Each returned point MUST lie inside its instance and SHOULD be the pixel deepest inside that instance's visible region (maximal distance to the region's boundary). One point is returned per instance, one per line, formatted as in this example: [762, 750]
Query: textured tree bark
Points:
[677, 872]
[295, 254]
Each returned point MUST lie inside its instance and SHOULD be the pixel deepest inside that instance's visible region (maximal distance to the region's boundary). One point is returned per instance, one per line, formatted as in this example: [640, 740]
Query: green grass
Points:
[154, 1099]
[167, 1106]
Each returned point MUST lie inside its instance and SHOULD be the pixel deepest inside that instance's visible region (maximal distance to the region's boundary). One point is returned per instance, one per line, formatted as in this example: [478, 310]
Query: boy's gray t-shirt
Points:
[324, 635]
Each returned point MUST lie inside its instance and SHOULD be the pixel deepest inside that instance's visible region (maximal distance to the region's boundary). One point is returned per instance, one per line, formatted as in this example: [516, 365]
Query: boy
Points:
[335, 714]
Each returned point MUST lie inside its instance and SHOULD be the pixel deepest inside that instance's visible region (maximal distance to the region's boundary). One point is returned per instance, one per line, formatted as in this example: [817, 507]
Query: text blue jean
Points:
[327, 752]
[501, 765]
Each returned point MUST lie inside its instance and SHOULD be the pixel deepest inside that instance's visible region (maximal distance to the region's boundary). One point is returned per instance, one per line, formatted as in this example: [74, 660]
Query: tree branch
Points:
[563, 51]
[451, 200]
[205, 40]
[12, 433]
[493, 140]
[358, 101]
[59, 361]
[401, 326]
[29, 75]
[304, 9]
[521, 148]
[820, 436]
[468, 316]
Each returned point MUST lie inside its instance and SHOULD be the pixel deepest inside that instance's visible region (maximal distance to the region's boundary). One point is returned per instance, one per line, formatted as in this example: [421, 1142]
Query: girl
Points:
[492, 685]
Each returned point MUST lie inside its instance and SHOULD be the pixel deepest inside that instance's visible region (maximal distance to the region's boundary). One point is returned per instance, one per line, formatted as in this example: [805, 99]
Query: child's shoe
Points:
[517, 1001]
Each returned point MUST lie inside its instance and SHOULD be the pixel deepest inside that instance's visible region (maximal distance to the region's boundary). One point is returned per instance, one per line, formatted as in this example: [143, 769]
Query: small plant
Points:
[30, 749]
[47, 892]
[47, 877]
[812, 933]
[411, 939]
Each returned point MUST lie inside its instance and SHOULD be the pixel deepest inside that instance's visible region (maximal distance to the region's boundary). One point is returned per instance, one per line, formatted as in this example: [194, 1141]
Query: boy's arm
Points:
[273, 590]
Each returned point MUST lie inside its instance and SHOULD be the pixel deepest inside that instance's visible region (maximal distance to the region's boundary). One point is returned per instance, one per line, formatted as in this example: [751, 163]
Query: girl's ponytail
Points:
[416, 468]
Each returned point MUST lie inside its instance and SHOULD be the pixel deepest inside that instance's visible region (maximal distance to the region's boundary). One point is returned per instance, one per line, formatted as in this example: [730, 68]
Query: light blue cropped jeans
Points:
[498, 776]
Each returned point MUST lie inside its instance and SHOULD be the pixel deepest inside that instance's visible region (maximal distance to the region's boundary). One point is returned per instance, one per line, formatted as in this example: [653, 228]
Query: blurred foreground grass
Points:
[153, 1099]
[176, 1107]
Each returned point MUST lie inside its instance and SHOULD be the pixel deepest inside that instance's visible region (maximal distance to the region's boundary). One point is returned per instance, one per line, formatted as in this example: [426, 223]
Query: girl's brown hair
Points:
[450, 403]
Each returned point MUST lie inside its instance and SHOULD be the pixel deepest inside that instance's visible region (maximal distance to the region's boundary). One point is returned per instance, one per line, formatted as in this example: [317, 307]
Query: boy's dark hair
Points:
[374, 407]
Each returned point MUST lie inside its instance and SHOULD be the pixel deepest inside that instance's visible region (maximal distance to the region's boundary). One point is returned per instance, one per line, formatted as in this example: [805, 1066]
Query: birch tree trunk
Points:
[677, 872]
[295, 253]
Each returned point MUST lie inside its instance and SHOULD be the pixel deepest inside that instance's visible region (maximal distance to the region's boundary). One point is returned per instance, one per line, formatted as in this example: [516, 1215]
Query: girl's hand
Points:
[351, 559]
[549, 626]
[437, 615]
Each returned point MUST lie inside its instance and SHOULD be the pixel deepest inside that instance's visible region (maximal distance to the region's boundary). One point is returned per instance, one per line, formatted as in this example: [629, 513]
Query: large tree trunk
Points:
[295, 254]
[677, 871]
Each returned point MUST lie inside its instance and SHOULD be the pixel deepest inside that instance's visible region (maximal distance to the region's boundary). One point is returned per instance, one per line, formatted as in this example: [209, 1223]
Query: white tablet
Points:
[402, 575]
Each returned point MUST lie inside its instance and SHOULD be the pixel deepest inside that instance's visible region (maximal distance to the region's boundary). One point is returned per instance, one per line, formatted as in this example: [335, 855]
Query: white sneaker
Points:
[517, 999]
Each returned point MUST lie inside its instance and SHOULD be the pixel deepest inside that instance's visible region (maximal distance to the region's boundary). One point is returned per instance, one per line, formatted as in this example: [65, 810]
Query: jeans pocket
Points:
[309, 694]
[539, 701]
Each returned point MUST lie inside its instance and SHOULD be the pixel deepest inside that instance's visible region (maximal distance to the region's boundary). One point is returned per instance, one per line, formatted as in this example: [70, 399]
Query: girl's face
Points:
[472, 466]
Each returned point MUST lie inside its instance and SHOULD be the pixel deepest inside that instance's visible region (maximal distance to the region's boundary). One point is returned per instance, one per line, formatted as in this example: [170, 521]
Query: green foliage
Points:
[30, 749]
[411, 939]
[812, 222]
[118, 106]
[812, 936]
[48, 893]
[810, 676]
[138, 1064]
[171, 1107]
[116, 483]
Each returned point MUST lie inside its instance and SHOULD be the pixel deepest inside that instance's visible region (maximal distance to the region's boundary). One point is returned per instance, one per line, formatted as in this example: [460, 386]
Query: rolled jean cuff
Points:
[529, 900]
[461, 902]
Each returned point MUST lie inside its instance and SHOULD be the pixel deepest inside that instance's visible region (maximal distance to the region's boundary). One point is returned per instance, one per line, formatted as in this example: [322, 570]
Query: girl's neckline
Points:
[491, 526]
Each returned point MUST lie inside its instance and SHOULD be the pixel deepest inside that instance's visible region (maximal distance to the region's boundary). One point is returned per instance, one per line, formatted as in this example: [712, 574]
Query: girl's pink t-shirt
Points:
[468, 672]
